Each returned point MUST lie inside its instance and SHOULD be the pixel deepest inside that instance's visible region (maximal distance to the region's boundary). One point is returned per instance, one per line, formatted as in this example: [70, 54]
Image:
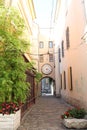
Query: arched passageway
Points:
[47, 86]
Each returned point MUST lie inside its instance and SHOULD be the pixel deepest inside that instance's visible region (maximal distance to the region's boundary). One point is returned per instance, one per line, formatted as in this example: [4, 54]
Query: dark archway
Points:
[47, 86]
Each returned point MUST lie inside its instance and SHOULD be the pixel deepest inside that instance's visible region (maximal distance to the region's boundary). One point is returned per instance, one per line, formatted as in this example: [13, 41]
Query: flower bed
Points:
[78, 113]
[75, 123]
[75, 118]
[9, 108]
[10, 122]
[9, 116]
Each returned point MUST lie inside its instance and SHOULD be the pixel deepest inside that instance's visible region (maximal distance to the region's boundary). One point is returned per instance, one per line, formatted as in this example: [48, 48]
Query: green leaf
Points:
[13, 85]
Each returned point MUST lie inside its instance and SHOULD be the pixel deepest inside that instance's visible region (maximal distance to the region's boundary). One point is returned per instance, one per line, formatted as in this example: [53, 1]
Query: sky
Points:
[44, 12]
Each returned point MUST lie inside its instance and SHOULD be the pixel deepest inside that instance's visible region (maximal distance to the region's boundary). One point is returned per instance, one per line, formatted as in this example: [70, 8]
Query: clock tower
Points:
[46, 65]
[46, 58]
[46, 69]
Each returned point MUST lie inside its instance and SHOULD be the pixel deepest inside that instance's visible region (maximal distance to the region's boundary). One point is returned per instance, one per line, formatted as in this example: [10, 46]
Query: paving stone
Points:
[45, 115]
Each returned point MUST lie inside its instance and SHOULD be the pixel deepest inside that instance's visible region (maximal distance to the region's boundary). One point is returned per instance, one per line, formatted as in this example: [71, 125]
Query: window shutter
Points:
[59, 55]
[62, 48]
[67, 38]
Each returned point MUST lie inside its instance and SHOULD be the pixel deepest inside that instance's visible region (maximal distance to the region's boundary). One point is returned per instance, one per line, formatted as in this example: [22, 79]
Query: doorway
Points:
[47, 86]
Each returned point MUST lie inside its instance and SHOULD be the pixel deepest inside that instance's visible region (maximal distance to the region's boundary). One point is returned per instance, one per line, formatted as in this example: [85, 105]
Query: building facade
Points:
[71, 45]
[27, 11]
[46, 61]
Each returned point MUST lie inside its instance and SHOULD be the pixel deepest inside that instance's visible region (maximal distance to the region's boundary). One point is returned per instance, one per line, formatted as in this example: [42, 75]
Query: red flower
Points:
[8, 108]
[66, 113]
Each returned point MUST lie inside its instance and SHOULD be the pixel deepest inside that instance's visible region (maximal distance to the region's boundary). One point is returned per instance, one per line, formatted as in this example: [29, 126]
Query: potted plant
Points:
[13, 86]
[75, 118]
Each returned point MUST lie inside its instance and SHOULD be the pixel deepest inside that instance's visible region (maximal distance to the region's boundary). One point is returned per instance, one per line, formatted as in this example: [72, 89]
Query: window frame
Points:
[64, 80]
[41, 44]
[61, 80]
[50, 44]
[62, 48]
[50, 57]
[67, 38]
[59, 52]
[41, 58]
[70, 78]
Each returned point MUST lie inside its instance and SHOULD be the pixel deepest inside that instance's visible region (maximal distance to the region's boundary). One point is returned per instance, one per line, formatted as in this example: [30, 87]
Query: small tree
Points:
[13, 85]
[1, 2]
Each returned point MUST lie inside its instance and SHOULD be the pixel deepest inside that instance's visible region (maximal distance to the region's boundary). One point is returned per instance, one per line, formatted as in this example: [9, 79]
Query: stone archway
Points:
[47, 86]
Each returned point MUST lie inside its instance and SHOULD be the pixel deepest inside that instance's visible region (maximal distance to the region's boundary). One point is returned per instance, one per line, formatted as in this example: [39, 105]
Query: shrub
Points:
[74, 113]
[13, 85]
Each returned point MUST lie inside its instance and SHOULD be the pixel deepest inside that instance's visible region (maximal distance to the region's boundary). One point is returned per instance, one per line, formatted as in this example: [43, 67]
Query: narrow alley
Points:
[45, 115]
[43, 63]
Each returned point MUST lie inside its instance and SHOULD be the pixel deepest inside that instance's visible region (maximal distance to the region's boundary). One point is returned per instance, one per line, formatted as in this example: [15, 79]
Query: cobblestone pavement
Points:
[45, 115]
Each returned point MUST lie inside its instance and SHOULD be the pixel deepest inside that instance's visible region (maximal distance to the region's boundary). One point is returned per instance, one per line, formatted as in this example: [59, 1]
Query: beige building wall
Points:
[46, 51]
[73, 66]
[27, 11]
[57, 73]
[58, 34]
[34, 45]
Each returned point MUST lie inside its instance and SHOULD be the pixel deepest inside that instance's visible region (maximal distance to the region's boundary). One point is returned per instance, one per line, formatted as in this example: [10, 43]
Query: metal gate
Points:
[31, 98]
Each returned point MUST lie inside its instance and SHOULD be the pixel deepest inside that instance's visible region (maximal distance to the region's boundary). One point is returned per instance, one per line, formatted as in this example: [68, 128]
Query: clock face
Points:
[46, 69]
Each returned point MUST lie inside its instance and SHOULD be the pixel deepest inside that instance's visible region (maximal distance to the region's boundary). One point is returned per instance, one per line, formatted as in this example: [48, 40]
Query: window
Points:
[62, 48]
[64, 80]
[41, 44]
[41, 59]
[61, 80]
[67, 38]
[59, 55]
[50, 57]
[50, 44]
[70, 78]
